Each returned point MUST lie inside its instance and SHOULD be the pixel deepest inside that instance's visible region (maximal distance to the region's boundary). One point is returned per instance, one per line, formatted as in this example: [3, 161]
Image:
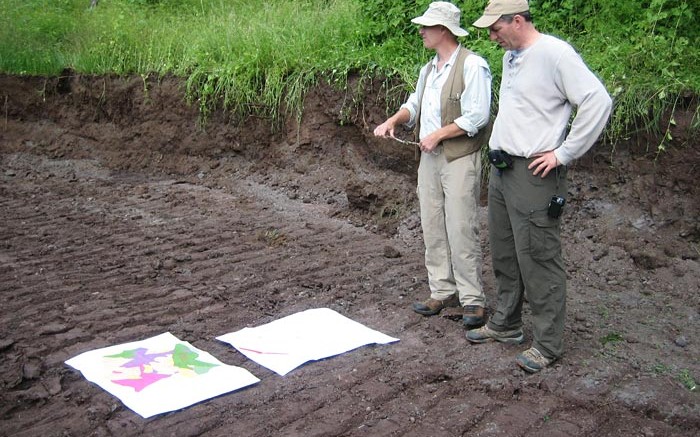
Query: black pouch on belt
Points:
[500, 159]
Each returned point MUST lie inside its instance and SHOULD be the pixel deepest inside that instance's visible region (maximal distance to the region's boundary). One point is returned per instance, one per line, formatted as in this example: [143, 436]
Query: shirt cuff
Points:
[562, 156]
[411, 121]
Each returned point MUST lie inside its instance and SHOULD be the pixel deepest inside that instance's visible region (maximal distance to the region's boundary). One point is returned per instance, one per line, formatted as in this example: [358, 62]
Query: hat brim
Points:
[487, 20]
[456, 31]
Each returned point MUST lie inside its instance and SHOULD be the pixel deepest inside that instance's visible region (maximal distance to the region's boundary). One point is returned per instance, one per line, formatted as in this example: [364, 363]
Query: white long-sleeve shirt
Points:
[540, 87]
[475, 101]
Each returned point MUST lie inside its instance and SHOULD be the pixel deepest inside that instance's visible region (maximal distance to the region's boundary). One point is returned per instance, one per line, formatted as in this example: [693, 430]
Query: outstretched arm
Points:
[389, 126]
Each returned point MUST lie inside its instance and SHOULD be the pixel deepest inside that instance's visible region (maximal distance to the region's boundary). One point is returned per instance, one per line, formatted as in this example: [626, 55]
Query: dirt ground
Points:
[123, 217]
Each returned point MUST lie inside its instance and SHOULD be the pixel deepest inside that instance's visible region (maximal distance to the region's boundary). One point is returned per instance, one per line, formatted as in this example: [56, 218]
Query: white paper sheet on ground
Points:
[159, 374]
[310, 335]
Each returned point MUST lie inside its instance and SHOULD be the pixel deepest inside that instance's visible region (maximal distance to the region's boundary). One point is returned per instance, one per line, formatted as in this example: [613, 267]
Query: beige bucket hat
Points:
[497, 8]
[442, 14]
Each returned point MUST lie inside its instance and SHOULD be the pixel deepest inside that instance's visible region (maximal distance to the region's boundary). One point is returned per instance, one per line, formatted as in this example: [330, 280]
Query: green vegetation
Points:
[687, 380]
[273, 237]
[682, 375]
[260, 57]
[611, 338]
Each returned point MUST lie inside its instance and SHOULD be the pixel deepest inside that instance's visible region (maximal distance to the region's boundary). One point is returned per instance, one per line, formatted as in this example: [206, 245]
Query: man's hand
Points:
[544, 163]
[429, 143]
[385, 129]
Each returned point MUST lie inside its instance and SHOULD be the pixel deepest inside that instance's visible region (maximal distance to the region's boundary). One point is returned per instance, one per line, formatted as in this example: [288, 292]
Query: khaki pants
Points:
[449, 194]
[526, 253]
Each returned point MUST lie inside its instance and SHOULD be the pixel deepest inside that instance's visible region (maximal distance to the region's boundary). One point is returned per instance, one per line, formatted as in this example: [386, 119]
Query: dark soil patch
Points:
[123, 218]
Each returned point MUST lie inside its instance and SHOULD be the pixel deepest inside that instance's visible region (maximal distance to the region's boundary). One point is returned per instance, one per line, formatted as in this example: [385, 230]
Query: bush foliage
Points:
[261, 56]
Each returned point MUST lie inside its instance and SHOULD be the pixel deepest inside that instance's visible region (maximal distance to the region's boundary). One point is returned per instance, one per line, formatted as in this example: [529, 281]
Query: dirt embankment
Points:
[123, 218]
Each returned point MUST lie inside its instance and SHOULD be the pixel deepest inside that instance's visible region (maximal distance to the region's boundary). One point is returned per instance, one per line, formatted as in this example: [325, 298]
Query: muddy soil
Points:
[123, 217]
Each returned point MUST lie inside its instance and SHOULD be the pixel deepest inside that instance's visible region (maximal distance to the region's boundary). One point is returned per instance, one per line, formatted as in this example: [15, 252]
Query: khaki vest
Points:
[450, 109]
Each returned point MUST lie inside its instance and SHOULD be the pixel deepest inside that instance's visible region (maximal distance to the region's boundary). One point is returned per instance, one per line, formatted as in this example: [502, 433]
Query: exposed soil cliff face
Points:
[123, 218]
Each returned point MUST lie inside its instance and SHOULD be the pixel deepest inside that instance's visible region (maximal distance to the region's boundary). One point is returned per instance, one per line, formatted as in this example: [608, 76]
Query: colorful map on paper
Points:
[291, 341]
[159, 374]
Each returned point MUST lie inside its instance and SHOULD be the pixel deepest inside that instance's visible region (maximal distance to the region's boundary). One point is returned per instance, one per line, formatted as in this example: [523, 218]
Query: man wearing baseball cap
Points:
[450, 110]
[543, 81]
[498, 8]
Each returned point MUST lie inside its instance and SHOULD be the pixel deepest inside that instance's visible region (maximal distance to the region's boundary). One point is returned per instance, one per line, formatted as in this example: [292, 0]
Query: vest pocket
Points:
[454, 109]
[544, 236]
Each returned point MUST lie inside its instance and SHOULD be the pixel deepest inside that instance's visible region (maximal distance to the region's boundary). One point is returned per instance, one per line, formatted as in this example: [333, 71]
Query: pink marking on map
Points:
[261, 352]
[144, 381]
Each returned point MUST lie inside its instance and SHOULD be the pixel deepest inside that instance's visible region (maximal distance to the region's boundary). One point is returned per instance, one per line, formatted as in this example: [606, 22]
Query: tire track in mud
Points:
[111, 260]
[92, 258]
[121, 275]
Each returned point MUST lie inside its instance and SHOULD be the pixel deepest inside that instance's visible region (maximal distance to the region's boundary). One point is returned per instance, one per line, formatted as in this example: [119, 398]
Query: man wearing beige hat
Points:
[450, 110]
[543, 81]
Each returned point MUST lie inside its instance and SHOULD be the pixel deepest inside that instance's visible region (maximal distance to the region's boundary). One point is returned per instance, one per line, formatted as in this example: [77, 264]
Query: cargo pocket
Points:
[544, 236]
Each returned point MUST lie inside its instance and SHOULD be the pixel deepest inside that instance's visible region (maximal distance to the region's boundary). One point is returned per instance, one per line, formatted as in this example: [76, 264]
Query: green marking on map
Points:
[184, 358]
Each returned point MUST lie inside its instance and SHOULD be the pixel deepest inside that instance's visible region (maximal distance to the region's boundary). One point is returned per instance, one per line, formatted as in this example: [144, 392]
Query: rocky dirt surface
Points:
[123, 217]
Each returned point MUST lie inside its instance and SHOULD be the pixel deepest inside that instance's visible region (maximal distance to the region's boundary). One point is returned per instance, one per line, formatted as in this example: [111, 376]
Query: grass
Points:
[683, 376]
[261, 57]
[611, 338]
[272, 237]
[687, 380]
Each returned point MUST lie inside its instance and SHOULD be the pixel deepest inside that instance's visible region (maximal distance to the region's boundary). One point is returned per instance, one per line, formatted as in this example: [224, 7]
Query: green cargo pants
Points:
[526, 253]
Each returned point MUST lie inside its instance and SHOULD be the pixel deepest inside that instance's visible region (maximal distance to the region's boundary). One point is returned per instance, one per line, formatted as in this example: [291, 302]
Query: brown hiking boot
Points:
[532, 360]
[433, 306]
[473, 316]
[484, 334]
